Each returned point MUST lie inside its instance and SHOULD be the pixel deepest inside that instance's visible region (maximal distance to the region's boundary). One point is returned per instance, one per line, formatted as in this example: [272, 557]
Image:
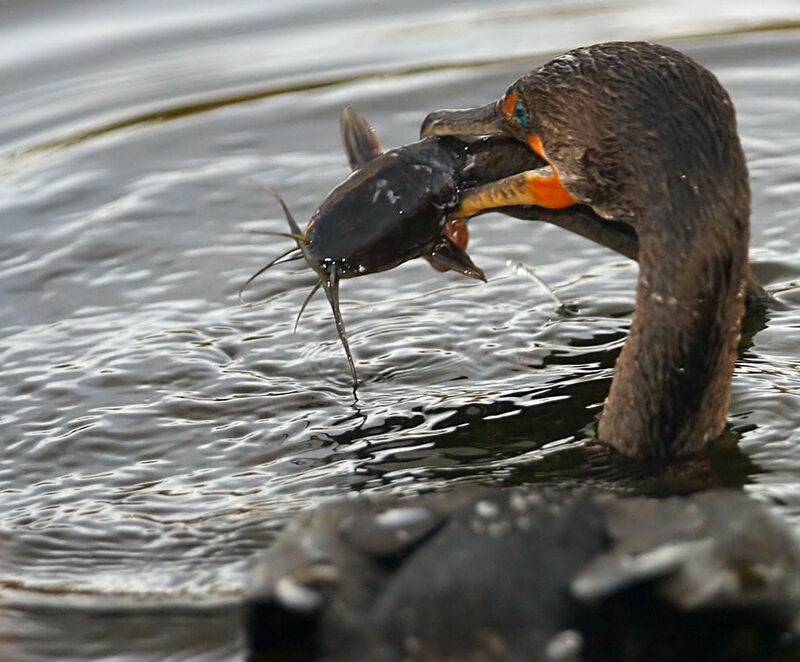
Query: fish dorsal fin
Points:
[358, 139]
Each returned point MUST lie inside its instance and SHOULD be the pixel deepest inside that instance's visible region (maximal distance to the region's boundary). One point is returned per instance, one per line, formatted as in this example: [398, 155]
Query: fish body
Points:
[390, 210]
[395, 206]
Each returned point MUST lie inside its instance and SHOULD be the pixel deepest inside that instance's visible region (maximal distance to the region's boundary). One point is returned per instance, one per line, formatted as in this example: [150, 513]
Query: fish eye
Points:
[521, 113]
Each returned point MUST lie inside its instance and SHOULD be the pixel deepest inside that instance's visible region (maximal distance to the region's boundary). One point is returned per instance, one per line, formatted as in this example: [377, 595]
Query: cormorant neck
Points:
[672, 382]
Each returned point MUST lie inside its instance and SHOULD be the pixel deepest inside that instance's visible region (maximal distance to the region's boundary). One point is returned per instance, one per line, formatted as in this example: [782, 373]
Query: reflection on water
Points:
[156, 433]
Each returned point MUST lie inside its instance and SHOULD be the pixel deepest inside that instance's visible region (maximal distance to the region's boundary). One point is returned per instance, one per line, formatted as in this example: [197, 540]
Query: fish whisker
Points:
[297, 237]
[305, 303]
[271, 263]
[332, 292]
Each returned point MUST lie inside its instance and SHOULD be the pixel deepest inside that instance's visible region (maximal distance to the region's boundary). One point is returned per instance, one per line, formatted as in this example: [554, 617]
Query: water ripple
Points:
[156, 433]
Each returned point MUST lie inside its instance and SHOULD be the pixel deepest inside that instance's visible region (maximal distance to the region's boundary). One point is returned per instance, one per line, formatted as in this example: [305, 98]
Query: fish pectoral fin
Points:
[358, 139]
[446, 256]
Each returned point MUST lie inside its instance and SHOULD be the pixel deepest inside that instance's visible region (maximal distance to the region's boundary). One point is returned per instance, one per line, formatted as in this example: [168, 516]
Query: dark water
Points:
[156, 433]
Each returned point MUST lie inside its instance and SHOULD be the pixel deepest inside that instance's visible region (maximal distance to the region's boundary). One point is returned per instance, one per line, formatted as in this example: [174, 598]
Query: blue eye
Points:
[521, 113]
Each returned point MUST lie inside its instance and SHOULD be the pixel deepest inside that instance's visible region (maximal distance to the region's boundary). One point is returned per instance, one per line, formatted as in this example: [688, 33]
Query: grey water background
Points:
[155, 433]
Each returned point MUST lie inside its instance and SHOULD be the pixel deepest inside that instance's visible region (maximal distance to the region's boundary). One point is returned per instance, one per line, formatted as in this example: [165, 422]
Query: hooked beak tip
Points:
[429, 125]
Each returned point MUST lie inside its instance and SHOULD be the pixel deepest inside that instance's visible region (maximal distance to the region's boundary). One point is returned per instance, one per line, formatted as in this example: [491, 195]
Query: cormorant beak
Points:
[539, 187]
[480, 121]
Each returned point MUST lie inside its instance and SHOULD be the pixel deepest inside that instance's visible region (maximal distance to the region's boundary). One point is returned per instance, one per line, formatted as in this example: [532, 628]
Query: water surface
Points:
[156, 433]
